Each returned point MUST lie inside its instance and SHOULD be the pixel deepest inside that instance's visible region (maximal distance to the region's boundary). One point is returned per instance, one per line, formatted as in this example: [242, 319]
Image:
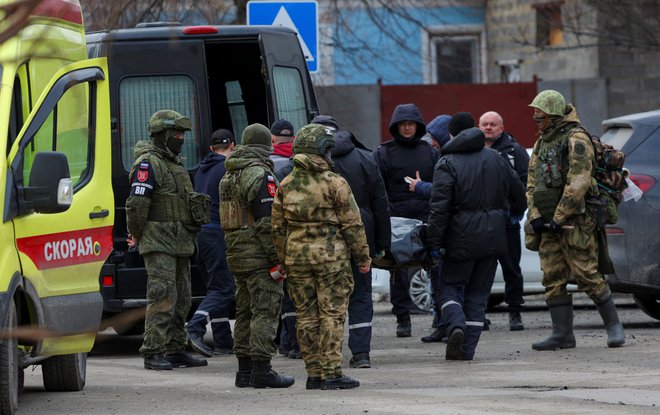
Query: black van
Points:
[220, 77]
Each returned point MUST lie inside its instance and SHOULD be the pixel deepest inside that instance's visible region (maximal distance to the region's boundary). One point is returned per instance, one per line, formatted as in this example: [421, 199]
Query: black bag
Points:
[408, 245]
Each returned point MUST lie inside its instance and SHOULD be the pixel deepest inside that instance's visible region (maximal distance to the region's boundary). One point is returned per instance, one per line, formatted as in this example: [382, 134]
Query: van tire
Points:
[65, 373]
[9, 370]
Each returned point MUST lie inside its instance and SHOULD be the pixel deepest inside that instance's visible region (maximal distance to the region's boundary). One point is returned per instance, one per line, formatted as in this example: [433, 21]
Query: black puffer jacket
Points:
[360, 171]
[402, 157]
[516, 155]
[473, 189]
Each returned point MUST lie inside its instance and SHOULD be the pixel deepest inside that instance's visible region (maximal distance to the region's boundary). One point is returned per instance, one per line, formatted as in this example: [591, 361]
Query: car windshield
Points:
[617, 137]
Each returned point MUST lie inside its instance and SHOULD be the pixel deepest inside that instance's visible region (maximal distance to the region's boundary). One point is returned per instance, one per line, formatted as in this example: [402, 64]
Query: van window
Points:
[140, 97]
[290, 96]
[239, 118]
[66, 130]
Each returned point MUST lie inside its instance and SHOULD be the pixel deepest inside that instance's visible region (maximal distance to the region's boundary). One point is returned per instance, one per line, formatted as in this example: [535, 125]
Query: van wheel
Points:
[65, 373]
[9, 370]
[420, 290]
[650, 306]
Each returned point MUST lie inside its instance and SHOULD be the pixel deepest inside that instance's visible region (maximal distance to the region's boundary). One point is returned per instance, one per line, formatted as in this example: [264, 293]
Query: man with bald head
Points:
[492, 125]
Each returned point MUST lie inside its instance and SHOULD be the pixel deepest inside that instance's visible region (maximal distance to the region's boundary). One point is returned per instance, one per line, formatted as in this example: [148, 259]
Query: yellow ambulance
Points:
[56, 198]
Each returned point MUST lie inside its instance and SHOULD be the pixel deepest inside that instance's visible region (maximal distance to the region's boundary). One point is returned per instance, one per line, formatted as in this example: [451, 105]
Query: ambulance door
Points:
[63, 242]
[290, 85]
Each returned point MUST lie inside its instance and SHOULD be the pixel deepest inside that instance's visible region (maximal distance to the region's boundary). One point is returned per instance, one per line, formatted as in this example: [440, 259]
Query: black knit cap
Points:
[459, 122]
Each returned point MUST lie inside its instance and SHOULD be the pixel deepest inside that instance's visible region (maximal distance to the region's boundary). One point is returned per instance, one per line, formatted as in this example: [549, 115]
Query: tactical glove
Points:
[555, 228]
[538, 225]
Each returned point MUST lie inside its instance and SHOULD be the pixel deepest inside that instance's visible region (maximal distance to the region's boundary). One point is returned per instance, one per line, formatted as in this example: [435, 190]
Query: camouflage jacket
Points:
[249, 179]
[157, 211]
[575, 178]
[315, 216]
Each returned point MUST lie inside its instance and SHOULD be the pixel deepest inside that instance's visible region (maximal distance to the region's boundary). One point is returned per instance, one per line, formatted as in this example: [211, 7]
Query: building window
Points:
[549, 30]
[456, 59]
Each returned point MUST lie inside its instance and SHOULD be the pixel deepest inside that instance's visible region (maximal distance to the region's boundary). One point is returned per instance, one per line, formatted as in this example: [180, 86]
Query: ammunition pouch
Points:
[169, 208]
[200, 207]
[233, 216]
[546, 201]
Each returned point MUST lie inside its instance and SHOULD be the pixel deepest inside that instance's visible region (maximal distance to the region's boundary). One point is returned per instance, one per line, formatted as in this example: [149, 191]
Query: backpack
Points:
[611, 179]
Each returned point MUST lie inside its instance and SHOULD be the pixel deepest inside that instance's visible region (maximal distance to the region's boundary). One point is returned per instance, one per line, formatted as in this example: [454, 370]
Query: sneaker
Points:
[185, 359]
[313, 382]
[197, 345]
[515, 321]
[157, 362]
[360, 361]
[454, 344]
[340, 382]
[294, 354]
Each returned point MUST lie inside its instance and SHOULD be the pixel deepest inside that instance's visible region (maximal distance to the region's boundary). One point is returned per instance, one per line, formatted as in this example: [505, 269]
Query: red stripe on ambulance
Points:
[59, 9]
[67, 248]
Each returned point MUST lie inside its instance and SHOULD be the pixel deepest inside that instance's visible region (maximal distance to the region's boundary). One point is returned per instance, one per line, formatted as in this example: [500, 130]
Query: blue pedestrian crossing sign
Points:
[301, 16]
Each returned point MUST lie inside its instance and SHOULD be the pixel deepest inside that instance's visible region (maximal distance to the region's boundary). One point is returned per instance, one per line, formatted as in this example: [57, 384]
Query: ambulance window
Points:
[66, 130]
[15, 115]
[290, 96]
[140, 97]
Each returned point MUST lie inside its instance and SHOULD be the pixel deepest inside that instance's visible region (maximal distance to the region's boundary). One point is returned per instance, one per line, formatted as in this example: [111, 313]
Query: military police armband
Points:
[143, 180]
[262, 204]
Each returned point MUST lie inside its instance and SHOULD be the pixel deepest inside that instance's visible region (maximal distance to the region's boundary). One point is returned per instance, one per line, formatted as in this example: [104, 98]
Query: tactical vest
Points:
[551, 169]
[172, 205]
[233, 214]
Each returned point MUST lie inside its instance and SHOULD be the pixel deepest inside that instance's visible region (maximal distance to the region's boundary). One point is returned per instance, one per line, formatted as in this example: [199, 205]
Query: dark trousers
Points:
[220, 286]
[360, 313]
[464, 296]
[288, 339]
[400, 291]
[510, 263]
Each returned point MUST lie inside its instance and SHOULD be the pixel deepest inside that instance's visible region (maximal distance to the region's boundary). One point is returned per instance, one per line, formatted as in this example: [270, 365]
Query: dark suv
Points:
[634, 242]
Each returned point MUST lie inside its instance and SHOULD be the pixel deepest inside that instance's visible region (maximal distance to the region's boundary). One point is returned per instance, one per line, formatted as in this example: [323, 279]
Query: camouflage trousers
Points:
[258, 300]
[320, 294]
[572, 252]
[168, 303]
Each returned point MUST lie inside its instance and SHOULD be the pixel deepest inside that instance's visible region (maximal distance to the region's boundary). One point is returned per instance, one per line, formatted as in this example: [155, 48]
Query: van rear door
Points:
[61, 250]
[290, 84]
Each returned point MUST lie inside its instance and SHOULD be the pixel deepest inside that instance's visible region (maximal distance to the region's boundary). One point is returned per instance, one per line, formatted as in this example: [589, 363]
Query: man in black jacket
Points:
[355, 164]
[473, 191]
[492, 124]
[404, 156]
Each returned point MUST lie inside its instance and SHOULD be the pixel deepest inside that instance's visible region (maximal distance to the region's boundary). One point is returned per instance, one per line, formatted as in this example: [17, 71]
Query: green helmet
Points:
[314, 139]
[168, 120]
[551, 102]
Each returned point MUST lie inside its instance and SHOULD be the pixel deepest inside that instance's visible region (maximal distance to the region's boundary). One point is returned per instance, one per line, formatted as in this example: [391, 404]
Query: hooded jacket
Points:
[402, 157]
[361, 172]
[473, 190]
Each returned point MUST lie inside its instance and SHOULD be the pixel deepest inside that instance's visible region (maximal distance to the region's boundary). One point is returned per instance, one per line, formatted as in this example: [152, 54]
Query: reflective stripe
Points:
[359, 325]
[220, 320]
[474, 323]
[205, 314]
[292, 314]
[450, 302]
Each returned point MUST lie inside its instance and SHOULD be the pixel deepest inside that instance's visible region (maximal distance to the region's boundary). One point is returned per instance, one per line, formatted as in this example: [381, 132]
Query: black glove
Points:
[555, 228]
[538, 225]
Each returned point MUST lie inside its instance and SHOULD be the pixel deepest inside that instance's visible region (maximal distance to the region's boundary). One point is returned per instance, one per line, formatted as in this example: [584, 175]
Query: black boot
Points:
[157, 362]
[607, 310]
[263, 376]
[437, 336]
[185, 359]
[454, 345]
[403, 325]
[244, 372]
[339, 382]
[515, 321]
[313, 382]
[561, 312]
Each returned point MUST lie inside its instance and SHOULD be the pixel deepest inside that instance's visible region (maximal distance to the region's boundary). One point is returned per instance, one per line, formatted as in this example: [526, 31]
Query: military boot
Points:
[263, 376]
[244, 372]
[403, 325]
[561, 313]
[185, 359]
[515, 321]
[157, 362]
[607, 310]
[339, 382]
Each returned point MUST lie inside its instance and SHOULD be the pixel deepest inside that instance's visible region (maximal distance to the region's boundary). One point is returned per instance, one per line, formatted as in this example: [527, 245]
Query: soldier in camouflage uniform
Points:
[316, 229]
[560, 188]
[162, 216]
[246, 196]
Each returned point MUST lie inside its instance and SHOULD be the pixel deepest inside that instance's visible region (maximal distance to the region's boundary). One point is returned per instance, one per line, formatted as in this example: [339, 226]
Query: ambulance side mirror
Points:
[50, 189]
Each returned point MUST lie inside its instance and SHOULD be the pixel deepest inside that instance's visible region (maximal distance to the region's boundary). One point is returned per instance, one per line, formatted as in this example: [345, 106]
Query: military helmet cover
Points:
[314, 139]
[168, 120]
[551, 102]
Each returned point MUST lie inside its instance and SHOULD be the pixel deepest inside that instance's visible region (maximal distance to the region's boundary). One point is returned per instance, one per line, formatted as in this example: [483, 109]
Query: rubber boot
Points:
[607, 310]
[403, 325]
[561, 312]
[263, 376]
[244, 372]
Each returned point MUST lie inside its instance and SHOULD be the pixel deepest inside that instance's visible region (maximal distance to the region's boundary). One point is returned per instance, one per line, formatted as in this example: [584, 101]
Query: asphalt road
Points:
[407, 376]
